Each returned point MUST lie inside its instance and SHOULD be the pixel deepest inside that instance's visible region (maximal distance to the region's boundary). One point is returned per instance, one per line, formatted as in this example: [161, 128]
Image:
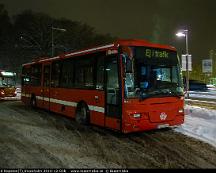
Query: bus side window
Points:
[67, 74]
[56, 69]
[26, 76]
[84, 72]
[47, 76]
[100, 73]
[36, 75]
[79, 74]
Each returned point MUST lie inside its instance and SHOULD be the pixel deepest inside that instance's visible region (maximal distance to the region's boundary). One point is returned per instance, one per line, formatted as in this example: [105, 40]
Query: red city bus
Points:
[7, 84]
[128, 86]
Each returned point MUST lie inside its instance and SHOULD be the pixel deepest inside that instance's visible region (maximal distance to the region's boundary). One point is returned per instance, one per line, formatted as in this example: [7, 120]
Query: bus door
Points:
[112, 94]
[46, 86]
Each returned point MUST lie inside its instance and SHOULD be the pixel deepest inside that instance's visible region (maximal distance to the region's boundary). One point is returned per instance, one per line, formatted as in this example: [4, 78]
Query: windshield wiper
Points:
[144, 96]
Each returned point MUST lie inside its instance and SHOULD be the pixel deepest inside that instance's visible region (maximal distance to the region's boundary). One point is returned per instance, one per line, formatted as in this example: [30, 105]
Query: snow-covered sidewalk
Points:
[200, 123]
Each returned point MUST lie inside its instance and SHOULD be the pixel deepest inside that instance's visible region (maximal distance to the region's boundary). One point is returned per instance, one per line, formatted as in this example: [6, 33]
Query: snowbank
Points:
[200, 123]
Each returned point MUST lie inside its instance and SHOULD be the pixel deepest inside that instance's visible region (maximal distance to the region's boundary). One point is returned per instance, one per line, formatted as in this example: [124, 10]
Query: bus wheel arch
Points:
[82, 115]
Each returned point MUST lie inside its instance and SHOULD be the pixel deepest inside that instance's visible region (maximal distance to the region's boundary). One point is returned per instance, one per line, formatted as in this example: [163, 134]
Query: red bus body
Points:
[7, 84]
[108, 107]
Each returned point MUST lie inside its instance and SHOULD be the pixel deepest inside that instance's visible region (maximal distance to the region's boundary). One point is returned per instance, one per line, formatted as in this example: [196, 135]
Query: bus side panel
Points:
[113, 123]
[97, 118]
[39, 98]
[64, 101]
[36, 91]
[25, 93]
[61, 101]
[23, 97]
[68, 111]
[28, 92]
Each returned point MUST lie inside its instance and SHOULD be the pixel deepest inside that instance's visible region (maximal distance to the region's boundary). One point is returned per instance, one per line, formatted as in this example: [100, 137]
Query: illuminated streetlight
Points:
[57, 29]
[184, 33]
[180, 34]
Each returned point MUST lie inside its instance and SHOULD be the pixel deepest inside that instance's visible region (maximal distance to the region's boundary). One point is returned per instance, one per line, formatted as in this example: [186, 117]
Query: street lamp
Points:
[184, 33]
[57, 29]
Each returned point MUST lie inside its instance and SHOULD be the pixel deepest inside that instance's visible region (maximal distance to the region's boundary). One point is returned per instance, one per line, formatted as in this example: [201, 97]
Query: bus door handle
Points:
[96, 99]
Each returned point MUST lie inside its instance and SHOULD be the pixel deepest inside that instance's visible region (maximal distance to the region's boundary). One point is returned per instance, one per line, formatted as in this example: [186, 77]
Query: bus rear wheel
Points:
[82, 114]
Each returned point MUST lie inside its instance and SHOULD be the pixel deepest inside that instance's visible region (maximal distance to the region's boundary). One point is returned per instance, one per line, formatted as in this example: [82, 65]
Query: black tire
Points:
[82, 114]
[33, 102]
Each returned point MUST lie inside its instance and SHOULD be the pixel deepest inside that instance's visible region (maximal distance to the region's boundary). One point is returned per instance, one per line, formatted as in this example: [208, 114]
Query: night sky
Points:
[155, 20]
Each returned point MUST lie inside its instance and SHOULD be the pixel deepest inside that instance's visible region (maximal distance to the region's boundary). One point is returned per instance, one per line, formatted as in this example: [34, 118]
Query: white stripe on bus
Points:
[66, 103]
[26, 95]
[96, 109]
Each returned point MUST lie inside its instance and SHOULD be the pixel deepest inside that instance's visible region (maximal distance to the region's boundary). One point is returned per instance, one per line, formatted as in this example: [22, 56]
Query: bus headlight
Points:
[2, 92]
[181, 111]
[137, 115]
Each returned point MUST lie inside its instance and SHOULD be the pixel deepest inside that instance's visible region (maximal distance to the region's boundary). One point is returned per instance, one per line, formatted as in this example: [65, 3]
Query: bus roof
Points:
[115, 45]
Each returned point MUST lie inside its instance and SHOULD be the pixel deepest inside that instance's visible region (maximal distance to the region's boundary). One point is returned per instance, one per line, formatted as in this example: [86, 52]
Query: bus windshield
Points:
[152, 72]
[7, 81]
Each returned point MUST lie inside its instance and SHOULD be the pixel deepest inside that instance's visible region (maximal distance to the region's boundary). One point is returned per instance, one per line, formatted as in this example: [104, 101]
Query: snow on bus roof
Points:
[115, 45]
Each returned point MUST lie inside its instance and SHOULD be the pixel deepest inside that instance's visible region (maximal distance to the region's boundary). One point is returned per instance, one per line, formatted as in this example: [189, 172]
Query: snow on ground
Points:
[200, 123]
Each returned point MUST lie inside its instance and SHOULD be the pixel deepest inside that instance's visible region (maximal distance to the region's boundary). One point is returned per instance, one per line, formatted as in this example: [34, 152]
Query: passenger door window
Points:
[112, 88]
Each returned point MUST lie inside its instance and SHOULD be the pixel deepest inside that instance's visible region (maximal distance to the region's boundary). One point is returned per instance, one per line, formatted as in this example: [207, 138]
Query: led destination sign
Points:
[154, 56]
[150, 53]
[9, 74]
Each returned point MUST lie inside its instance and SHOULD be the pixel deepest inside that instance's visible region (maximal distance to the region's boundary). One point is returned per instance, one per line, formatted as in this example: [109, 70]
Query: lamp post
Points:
[184, 33]
[57, 29]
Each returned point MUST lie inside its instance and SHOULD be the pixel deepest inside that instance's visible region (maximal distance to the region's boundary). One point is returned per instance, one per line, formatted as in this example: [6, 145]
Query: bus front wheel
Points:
[82, 114]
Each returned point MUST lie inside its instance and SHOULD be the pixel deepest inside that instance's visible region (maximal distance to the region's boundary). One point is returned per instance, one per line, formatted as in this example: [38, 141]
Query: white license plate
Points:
[163, 126]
